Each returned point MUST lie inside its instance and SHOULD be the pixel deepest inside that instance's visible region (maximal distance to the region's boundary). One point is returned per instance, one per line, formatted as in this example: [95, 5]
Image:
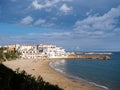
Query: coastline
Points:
[73, 78]
[42, 68]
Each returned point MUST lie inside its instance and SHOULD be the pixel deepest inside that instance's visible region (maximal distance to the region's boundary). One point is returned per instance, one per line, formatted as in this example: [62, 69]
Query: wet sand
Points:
[42, 68]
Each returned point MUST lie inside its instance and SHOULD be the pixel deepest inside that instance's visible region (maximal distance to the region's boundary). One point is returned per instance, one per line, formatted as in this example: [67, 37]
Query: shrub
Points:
[10, 80]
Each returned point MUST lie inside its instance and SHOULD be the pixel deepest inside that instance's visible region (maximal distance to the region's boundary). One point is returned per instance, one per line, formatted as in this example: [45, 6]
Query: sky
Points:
[76, 25]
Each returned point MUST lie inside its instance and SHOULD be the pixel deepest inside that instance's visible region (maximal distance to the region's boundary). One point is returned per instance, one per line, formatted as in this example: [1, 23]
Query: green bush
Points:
[10, 80]
[8, 55]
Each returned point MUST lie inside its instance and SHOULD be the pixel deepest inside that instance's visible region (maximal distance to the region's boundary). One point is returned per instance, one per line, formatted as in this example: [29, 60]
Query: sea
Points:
[102, 73]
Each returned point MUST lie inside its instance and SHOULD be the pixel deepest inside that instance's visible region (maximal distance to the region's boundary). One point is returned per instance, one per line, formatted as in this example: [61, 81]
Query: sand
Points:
[41, 67]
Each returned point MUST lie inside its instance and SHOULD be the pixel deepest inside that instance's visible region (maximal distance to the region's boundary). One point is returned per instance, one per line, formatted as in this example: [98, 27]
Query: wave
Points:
[54, 64]
[99, 85]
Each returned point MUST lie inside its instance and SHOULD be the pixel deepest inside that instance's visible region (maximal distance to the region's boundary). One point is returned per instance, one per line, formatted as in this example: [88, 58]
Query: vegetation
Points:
[6, 54]
[10, 80]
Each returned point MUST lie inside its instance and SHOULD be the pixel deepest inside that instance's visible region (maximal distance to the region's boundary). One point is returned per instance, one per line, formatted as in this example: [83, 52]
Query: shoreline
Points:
[75, 78]
[42, 68]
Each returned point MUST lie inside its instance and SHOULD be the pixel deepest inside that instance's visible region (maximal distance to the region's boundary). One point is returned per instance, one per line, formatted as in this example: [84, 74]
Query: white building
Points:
[25, 47]
[17, 46]
[31, 54]
[42, 50]
[51, 51]
[28, 51]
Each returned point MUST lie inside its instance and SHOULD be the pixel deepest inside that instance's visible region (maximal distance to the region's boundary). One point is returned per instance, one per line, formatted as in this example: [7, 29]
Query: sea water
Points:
[102, 73]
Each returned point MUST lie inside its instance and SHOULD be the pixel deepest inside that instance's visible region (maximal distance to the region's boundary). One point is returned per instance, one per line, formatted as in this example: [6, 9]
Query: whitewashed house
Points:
[28, 51]
[42, 50]
[51, 51]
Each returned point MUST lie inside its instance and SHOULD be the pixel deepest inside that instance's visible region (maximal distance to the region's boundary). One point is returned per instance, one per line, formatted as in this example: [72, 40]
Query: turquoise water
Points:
[104, 73]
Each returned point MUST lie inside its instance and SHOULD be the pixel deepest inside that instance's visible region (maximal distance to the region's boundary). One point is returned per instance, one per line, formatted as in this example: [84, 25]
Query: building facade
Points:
[42, 50]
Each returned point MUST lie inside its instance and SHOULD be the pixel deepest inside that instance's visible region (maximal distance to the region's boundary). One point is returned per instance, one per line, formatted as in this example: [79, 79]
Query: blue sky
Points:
[82, 25]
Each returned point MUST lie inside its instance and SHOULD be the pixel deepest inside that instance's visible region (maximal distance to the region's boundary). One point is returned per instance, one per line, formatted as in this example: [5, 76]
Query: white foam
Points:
[99, 85]
[54, 66]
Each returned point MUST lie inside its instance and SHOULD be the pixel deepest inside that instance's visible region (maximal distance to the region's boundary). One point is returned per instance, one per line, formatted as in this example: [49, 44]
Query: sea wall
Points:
[82, 57]
[90, 57]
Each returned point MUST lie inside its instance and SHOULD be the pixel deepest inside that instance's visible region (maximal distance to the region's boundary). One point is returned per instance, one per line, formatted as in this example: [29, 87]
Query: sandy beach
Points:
[41, 67]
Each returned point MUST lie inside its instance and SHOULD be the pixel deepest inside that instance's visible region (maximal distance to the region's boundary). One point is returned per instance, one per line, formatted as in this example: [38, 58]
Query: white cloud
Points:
[57, 34]
[44, 37]
[48, 25]
[54, 18]
[40, 21]
[117, 31]
[44, 23]
[37, 5]
[64, 8]
[99, 24]
[27, 20]
[89, 12]
[47, 3]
